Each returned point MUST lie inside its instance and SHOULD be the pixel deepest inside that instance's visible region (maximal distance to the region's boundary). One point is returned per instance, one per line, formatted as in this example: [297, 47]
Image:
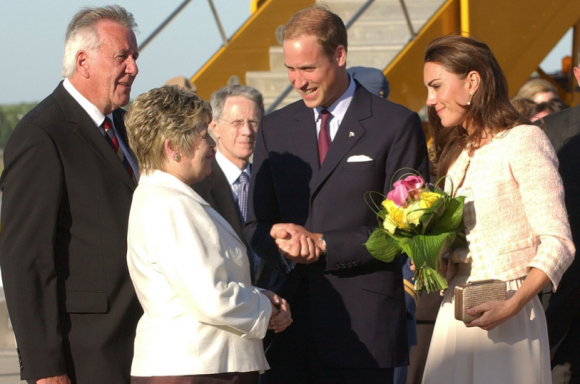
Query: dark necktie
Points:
[114, 142]
[324, 135]
[243, 212]
[243, 196]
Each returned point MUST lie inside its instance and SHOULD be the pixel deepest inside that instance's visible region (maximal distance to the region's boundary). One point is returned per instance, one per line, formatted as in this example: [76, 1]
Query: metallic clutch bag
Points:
[475, 293]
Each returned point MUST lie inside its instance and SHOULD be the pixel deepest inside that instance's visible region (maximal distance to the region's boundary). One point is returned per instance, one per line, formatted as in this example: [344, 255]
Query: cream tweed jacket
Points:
[514, 214]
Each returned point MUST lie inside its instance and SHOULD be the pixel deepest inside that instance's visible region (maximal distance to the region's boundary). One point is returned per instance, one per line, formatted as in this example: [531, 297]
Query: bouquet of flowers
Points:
[421, 221]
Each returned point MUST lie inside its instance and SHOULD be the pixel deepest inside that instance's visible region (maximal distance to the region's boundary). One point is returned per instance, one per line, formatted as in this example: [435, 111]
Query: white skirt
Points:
[516, 351]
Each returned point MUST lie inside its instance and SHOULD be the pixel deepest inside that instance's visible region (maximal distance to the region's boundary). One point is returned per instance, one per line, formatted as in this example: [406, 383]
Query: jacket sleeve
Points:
[263, 210]
[535, 168]
[408, 151]
[32, 185]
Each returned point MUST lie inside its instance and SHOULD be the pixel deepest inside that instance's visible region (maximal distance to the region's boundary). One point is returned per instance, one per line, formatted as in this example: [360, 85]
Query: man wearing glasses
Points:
[236, 113]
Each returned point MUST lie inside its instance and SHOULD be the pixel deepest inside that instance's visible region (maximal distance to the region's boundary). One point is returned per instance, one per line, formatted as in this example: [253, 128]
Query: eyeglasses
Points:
[240, 123]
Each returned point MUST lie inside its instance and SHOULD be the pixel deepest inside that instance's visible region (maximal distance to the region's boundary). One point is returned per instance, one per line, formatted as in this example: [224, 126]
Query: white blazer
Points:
[192, 277]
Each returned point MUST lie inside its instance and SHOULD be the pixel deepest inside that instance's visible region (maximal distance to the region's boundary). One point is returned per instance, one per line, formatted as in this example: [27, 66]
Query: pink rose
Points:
[399, 193]
[414, 182]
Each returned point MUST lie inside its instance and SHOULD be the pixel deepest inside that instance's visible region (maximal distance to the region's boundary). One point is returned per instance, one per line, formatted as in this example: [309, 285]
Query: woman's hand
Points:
[497, 312]
[494, 314]
[281, 317]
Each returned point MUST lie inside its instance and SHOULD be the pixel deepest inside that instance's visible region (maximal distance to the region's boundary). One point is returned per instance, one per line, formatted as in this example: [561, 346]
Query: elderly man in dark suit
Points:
[67, 186]
[314, 161]
[563, 306]
[236, 113]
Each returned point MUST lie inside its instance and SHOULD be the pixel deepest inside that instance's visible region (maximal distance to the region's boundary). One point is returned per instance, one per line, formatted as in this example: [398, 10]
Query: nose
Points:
[132, 68]
[211, 141]
[431, 100]
[296, 78]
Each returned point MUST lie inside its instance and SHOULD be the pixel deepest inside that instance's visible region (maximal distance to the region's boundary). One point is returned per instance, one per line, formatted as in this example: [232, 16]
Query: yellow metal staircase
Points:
[519, 32]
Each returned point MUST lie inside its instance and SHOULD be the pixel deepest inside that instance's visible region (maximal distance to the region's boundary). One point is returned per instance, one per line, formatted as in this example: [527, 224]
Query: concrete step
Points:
[384, 9]
[378, 56]
[381, 32]
[269, 83]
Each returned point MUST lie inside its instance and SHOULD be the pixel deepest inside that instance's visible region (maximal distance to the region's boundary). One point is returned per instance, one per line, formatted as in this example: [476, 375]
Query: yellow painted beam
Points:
[248, 49]
[521, 32]
[405, 73]
[465, 30]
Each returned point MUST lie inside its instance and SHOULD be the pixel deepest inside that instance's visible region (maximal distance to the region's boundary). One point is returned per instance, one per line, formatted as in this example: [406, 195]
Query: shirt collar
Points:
[339, 107]
[93, 112]
[230, 170]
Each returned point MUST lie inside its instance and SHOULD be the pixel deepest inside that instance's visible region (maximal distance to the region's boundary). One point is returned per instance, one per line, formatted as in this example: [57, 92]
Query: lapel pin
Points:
[351, 134]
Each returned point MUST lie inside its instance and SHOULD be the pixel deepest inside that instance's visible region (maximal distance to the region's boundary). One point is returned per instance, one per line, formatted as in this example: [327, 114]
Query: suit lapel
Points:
[349, 133]
[304, 137]
[84, 126]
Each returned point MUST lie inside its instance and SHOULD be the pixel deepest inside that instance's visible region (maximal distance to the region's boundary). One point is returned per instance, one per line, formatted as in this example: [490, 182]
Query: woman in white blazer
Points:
[203, 321]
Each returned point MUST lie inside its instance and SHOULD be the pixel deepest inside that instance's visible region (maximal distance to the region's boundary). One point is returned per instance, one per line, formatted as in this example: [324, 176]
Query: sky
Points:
[32, 38]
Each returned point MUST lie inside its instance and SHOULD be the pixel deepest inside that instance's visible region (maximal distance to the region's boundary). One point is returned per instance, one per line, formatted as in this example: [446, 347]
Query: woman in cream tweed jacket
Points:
[203, 321]
[516, 223]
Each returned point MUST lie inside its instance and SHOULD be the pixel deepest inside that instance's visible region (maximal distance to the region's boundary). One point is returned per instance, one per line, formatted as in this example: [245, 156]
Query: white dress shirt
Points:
[337, 109]
[232, 173]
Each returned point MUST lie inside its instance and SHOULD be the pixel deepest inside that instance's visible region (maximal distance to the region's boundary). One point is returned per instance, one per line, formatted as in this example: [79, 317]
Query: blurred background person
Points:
[516, 223]
[563, 306]
[236, 113]
[537, 90]
[203, 320]
[546, 108]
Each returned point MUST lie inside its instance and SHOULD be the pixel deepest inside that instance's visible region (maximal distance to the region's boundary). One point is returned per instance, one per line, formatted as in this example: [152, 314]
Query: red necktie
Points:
[324, 135]
[114, 142]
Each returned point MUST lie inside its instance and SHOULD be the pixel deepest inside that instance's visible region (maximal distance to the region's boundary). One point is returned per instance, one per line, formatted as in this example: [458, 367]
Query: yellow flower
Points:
[428, 199]
[397, 216]
[414, 212]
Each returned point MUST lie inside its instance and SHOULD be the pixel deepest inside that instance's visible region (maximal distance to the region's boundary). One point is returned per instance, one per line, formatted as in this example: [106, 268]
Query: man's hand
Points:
[298, 244]
[281, 317]
[61, 379]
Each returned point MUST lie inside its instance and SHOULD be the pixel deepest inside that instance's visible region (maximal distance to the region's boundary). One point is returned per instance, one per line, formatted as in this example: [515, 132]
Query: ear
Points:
[214, 128]
[473, 80]
[169, 151]
[577, 74]
[340, 55]
[82, 60]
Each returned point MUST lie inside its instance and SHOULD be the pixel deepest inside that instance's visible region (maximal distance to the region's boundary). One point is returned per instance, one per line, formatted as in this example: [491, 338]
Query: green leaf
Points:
[433, 213]
[426, 250]
[451, 218]
[382, 246]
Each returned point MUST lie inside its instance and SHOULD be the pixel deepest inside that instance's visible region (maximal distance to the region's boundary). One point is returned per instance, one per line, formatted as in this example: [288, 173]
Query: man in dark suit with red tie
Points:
[67, 186]
[314, 161]
[236, 110]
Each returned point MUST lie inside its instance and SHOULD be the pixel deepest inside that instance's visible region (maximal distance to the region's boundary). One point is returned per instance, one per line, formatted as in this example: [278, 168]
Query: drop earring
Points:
[469, 101]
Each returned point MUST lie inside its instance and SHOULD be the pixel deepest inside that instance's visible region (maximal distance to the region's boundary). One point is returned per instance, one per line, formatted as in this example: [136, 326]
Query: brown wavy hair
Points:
[490, 110]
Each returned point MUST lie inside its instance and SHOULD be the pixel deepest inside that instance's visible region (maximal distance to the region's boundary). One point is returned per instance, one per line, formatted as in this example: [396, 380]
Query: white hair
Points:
[82, 34]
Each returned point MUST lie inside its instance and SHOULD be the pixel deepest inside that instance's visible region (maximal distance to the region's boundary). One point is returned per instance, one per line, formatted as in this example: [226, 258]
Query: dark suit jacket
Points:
[63, 246]
[563, 130]
[216, 190]
[357, 304]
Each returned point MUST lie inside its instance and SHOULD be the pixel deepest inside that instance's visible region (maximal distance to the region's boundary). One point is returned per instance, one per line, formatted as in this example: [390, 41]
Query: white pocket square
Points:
[358, 159]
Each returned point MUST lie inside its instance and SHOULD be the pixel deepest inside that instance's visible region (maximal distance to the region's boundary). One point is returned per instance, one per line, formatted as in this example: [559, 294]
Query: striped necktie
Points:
[114, 142]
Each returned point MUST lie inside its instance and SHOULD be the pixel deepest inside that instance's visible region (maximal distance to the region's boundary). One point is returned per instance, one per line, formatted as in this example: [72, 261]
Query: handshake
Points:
[298, 244]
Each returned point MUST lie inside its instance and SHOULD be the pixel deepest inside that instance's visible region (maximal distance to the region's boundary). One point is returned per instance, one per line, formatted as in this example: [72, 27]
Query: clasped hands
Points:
[298, 244]
[281, 317]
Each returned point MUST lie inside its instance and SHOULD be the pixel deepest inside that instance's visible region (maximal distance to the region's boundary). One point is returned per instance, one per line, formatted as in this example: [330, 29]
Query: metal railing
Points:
[174, 14]
[352, 20]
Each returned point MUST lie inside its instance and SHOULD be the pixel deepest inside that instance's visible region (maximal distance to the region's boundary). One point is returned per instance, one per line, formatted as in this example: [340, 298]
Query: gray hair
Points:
[82, 34]
[218, 98]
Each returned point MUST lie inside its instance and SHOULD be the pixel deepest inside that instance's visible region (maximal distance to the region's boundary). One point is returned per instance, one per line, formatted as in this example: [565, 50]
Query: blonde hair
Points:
[167, 113]
[82, 34]
[534, 86]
